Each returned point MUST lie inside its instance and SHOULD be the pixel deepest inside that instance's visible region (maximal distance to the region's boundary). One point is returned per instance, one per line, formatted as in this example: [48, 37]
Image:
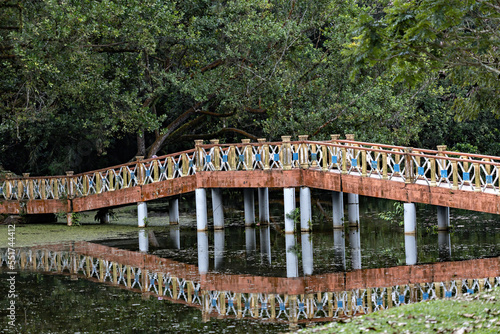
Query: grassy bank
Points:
[478, 313]
[123, 225]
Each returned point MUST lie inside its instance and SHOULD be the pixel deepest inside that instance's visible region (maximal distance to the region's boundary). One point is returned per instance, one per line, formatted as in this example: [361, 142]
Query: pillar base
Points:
[142, 214]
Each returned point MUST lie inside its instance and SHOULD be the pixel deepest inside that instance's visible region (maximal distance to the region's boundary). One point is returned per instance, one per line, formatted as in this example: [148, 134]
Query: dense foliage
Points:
[86, 84]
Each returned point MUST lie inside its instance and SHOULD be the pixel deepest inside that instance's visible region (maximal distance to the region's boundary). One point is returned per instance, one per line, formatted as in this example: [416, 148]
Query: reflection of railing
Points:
[454, 170]
[163, 278]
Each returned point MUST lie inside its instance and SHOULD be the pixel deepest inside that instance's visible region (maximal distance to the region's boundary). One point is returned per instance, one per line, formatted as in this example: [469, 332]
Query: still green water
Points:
[57, 304]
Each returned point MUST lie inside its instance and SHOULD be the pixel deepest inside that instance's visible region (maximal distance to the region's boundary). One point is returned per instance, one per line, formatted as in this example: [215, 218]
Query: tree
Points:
[86, 69]
[422, 40]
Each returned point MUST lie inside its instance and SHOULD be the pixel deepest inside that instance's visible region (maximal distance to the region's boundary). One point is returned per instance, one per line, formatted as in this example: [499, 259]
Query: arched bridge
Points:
[437, 177]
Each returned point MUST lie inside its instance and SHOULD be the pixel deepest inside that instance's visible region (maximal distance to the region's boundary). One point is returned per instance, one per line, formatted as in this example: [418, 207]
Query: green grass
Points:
[478, 313]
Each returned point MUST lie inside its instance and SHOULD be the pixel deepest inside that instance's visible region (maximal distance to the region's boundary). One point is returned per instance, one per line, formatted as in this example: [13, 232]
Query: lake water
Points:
[245, 279]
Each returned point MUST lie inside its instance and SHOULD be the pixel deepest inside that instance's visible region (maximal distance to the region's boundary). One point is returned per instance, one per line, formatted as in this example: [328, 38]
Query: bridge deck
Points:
[452, 179]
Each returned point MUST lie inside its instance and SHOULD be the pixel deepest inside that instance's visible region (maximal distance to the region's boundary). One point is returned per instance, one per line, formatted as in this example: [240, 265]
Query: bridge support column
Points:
[338, 209]
[203, 252]
[353, 209]
[142, 214]
[143, 241]
[411, 249]
[173, 211]
[292, 265]
[218, 249]
[443, 215]
[217, 209]
[201, 209]
[307, 254]
[249, 205]
[289, 199]
[69, 218]
[264, 205]
[305, 209]
[355, 243]
[410, 218]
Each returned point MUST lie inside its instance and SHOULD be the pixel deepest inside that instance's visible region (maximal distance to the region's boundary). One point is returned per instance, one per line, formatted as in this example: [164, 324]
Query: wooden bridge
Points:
[323, 297]
[437, 177]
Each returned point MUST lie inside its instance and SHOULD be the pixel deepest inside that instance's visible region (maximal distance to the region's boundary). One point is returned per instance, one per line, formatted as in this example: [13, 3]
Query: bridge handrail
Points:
[455, 170]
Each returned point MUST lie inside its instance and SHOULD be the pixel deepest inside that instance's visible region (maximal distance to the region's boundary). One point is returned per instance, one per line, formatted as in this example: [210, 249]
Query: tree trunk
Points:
[141, 144]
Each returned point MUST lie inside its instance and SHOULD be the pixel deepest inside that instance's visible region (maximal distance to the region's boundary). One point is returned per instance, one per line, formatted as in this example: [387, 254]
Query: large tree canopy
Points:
[83, 81]
[422, 39]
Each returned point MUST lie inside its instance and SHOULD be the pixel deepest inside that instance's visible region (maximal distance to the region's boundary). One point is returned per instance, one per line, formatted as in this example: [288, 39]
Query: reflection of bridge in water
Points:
[322, 297]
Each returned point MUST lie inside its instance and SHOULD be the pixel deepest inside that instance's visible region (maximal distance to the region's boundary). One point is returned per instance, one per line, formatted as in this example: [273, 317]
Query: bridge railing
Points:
[441, 168]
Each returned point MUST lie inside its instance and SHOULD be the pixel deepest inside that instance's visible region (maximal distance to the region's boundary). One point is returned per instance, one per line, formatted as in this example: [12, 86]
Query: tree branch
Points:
[218, 133]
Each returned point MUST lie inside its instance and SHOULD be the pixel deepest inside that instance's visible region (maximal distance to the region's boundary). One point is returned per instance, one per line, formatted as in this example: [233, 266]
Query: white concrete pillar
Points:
[143, 241]
[218, 249]
[265, 244]
[264, 205]
[203, 262]
[292, 262]
[175, 236]
[355, 244]
[201, 209]
[444, 244]
[338, 209]
[339, 248]
[173, 211]
[305, 209]
[410, 218]
[307, 254]
[443, 216]
[249, 205]
[353, 209]
[142, 214]
[217, 209]
[289, 199]
[411, 249]
[250, 240]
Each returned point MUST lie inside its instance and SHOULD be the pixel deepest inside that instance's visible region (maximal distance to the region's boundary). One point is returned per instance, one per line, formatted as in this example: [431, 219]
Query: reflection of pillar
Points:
[143, 241]
[175, 236]
[411, 249]
[173, 211]
[218, 248]
[292, 266]
[289, 199]
[142, 214]
[250, 240]
[265, 243]
[410, 218]
[202, 252]
[444, 243]
[249, 205]
[355, 243]
[307, 254]
[338, 209]
[205, 307]
[217, 209]
[305, 209]
[339, 248]
[264, 205]
[353, 209]
[443, 215]
[201, 209]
